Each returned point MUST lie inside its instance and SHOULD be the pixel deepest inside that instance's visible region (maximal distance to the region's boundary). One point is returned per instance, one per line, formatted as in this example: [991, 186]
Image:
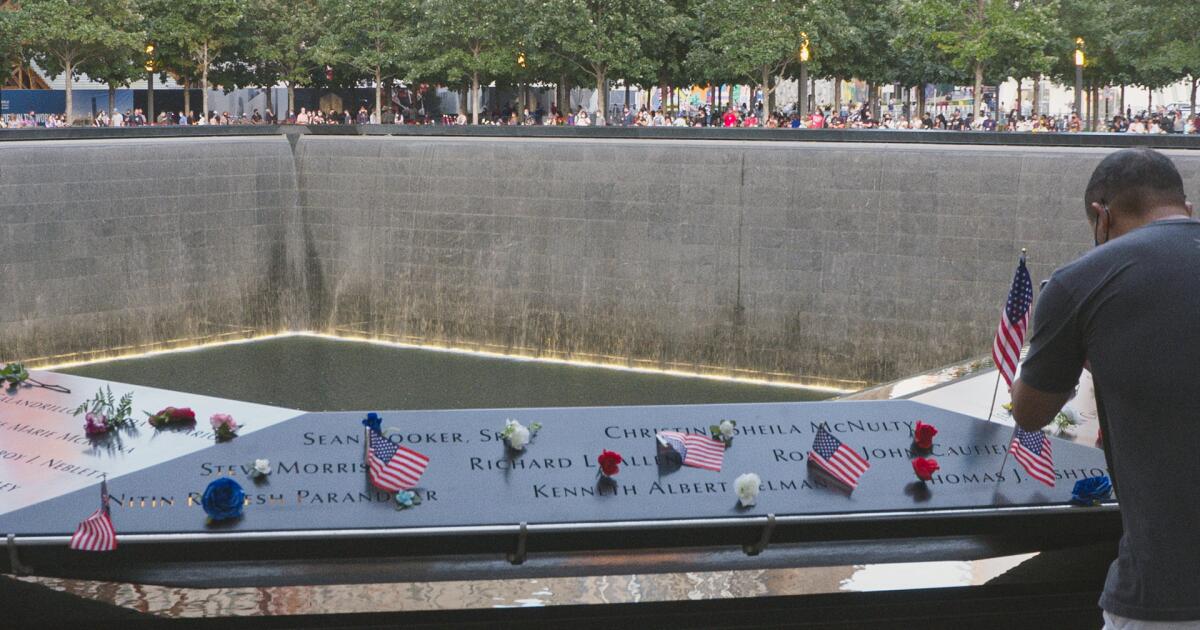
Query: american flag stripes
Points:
[96, 532]
[837, 459]
[1010, 334]
[1032, 450]
[698, 451]
[393, 467]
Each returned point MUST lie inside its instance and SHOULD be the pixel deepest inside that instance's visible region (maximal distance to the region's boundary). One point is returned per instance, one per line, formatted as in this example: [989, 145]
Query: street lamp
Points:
[803, 55]
[1079, 62]
[150, 67]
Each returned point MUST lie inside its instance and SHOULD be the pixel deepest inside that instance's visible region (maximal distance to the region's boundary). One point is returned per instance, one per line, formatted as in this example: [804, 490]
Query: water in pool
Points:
[322, 374]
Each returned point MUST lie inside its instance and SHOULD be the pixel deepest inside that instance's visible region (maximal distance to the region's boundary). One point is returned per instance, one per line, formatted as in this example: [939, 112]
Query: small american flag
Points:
[96, 532]
[391, 466]
[696, 450]
[837, 459]
[1010, 334]
[1032, 450]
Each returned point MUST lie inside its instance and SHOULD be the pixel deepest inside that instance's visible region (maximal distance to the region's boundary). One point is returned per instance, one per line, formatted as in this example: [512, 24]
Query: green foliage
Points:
[642, 42]
[116, 414]
[1008, 38]
[604, 39]
[282, 37]
[14, 374]
[191, 33]
[65, 36]
[369, 36]
[10, 40]
[750, 39]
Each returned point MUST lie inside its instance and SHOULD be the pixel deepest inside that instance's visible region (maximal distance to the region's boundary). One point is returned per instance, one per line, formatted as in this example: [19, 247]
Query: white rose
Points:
[747, 488]
[518, 436]
[726, 429]
[262, 466]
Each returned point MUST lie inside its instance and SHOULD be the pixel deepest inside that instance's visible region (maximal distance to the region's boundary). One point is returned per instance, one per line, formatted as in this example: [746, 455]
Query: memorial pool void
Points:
[328, 374]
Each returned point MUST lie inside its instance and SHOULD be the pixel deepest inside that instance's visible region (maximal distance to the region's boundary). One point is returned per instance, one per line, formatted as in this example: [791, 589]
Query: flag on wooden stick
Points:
[96, 532]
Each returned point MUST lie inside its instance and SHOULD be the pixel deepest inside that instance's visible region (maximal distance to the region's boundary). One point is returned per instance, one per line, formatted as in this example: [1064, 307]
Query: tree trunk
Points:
[563, 96]
[837, 95]
[204, 81]
[1149, 101]
[1035, 105]
[601, 94]
[271, 106]
[978, 94]
[474, 98]
[379, 94]
[187, 101]
[70, 70]
[977, 101]
[766, 91]
[1020, 82]
[920, 101]
[291, 88]
[1122, 107]
[112, 101]
[1195, 85]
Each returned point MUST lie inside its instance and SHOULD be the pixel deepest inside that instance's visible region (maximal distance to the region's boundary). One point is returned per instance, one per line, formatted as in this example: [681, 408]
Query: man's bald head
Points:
[1134, 181]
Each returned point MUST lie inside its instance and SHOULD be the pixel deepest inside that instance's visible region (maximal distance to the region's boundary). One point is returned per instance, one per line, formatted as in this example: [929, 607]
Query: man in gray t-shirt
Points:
[1128, 310]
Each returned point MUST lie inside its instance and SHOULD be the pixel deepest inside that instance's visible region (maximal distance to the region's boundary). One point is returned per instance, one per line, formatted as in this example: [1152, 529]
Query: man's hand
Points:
[1033, 408]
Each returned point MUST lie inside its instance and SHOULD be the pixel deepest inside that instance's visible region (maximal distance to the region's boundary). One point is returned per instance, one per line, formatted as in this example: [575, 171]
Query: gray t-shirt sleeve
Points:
[1056, 348]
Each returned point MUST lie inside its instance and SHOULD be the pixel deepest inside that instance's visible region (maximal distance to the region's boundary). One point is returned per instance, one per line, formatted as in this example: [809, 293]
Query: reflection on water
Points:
[418, 596]
[323, 374]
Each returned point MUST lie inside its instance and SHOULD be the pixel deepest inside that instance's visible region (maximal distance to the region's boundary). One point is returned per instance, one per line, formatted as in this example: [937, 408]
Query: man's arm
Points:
[1056, 356]
[1033, 408]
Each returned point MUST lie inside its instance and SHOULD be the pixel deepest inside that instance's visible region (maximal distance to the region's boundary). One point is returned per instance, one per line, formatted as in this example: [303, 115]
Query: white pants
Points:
[1117, 622]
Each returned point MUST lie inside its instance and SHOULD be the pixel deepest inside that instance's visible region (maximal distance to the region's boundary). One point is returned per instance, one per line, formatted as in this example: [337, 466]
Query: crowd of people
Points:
[857, 116]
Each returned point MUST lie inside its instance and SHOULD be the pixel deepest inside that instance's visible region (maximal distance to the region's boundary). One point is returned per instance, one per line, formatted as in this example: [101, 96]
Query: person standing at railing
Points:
[1125, 311]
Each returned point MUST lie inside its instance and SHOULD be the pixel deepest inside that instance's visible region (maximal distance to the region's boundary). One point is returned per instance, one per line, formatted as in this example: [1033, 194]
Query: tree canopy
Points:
[597, 42]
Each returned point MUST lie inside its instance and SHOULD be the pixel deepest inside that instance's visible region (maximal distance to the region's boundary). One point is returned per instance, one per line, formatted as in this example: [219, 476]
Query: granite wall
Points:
[115, 245]
[803, 261]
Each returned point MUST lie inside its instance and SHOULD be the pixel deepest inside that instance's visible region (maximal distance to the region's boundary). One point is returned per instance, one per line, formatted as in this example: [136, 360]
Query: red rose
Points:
[923, 436]
[609, 463]
[925, 467]
[183, 414]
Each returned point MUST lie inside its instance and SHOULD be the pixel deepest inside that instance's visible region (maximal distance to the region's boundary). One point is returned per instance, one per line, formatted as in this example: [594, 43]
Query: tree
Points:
[603, 38]
[64, 34]
[10, 40]
[1173, 42]
[917, 62]
[464, 38]
[373, 37]
[754, 40]
[280, 38]
[856, 38]
[122, 61]
[978, 36]
[189, 34]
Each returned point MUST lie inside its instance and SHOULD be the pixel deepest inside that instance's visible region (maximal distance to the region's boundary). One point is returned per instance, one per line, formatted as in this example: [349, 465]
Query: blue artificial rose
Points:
[373, 422]
[223, 499]
[1091, 491]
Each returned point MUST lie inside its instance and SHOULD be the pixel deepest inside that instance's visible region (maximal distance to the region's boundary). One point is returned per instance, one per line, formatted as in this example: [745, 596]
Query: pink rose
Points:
[225, 420]
[224, 426]
[95, 423]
